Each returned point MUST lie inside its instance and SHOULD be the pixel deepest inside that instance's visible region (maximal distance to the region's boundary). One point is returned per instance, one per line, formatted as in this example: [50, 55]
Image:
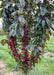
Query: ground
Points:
[3, 67]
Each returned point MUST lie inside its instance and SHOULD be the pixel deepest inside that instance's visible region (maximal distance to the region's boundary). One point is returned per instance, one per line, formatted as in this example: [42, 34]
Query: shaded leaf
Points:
[3, 41]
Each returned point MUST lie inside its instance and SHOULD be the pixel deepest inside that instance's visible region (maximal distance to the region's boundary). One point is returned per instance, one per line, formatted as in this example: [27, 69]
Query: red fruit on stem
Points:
[18, 49]
[15, 49]
[23, 48]
[24, 7]
[11, 48]
[25, 52]
[35, 61]
[12, 39]
[24, 56]
[36, 57]
[39, 53]
[9, 38]
[30, 64]
[27, 59]
[23, 61]
[24, 66]
[26, 43]
[7, 41]
[25, 36]
[27, 63]
[27, 26]
[28, 12]
[27, 55]
[22, 41]
[26, 31]
[31, 57]
[25, 0]
[23, 45]
[14, 53]
[18, 55]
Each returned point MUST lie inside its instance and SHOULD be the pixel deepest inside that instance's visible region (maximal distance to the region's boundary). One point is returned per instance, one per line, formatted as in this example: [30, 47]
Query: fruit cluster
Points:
[25, 42]
[13, 49]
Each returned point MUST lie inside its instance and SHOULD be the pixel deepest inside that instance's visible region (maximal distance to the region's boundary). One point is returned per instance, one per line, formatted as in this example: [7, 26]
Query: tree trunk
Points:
[26, 74]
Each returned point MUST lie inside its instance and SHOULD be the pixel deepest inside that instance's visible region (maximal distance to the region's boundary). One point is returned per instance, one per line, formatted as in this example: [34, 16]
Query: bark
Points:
[26, 73]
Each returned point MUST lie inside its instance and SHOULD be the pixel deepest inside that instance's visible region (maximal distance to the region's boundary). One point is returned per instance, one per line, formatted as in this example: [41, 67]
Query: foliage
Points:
[27, 24]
